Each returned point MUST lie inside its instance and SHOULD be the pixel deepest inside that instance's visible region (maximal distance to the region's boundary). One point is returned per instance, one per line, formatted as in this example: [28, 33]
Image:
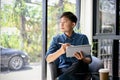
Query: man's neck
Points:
[68, 34]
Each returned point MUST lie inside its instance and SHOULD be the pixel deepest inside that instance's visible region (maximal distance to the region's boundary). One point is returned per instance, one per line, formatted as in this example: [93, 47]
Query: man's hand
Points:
[63, 47]
[79, 56]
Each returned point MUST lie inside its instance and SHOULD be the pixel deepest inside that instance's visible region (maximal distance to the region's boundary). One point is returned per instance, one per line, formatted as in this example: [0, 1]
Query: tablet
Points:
[86, 49]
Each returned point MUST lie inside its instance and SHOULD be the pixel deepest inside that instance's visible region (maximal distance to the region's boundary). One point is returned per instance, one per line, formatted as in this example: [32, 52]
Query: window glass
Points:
[55, 10]
[107, 16]
[105, 53]
[20, 39]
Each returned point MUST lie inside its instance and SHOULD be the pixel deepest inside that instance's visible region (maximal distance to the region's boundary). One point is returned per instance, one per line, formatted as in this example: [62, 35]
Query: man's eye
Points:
[65, 22]
[62, 22]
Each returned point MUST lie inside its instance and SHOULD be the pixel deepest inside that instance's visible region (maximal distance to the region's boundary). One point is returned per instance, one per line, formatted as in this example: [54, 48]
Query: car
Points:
[13, 59]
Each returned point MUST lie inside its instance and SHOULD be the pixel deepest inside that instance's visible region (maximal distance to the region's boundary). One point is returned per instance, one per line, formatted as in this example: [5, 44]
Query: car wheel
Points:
[16, 63]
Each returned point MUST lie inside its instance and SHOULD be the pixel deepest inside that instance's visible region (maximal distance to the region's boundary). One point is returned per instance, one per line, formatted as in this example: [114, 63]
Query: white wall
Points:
[86, 18]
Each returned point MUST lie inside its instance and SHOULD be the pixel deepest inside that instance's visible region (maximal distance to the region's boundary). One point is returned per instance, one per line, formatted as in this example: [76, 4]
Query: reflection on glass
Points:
[106, 46]
[107, 16]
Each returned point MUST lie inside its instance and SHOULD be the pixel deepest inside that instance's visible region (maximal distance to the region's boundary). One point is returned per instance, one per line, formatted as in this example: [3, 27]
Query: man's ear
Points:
[74, 25]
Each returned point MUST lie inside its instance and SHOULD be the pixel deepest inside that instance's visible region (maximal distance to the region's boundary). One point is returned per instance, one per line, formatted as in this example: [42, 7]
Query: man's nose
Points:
[62, 24]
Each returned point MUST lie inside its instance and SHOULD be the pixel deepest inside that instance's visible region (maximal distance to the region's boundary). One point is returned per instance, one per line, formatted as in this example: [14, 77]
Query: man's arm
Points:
[52, 57]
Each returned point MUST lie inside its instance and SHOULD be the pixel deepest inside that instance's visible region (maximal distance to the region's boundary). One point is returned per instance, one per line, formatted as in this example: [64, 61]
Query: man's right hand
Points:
[63, 48]
[53, 56]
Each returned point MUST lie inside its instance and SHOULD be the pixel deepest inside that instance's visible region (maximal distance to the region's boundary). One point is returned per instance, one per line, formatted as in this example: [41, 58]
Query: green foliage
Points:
[20, 7]
[10, 41]
[7, 18]
[54, 13]
[34, 51]
[11, 17]
[69, 7]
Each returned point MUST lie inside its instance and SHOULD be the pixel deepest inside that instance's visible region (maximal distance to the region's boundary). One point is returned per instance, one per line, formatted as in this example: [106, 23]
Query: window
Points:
[106, 13]
[106, 27]
[55, 10]
[20, 35]
[105, 53]
[21, 28]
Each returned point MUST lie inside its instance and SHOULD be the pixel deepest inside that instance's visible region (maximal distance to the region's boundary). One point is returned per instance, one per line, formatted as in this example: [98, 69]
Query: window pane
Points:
[105, 53]
[55, 9]
[107, 16]
[20, 35]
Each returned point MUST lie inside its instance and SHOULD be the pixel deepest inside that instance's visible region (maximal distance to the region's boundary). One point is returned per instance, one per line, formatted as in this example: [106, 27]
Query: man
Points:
[69, 66]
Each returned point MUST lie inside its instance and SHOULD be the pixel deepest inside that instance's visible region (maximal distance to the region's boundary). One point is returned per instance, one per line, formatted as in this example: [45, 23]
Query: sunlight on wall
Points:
[86, 18]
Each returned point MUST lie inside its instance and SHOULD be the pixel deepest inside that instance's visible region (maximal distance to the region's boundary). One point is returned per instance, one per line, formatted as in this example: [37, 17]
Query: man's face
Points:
[66, 25]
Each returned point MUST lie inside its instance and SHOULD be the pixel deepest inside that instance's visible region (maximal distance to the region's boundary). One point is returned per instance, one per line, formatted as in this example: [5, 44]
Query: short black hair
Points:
[70, 16]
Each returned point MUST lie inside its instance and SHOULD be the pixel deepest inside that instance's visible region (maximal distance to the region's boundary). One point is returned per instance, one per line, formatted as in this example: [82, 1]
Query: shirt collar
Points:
[71, 37]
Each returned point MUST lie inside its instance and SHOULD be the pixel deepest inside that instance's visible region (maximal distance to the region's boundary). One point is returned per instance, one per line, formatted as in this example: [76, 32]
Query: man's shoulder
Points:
[80, 34]
[58, 36]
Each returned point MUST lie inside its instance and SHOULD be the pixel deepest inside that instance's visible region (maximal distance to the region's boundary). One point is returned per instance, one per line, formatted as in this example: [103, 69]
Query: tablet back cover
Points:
[86, 49]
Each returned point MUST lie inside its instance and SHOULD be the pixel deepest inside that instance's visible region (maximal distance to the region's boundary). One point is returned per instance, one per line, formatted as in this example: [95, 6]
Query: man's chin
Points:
[63, 31]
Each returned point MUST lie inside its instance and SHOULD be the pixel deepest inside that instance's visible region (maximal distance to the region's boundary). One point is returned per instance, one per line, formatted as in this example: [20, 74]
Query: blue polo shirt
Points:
[75, 39]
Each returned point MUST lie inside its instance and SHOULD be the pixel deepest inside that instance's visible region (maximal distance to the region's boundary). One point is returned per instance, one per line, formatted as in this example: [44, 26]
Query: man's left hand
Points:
[79, 55]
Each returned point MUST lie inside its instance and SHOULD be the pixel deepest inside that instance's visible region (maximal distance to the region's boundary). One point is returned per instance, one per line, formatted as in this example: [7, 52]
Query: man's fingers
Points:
[77, 55]
[67, 44]
[81, 55]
